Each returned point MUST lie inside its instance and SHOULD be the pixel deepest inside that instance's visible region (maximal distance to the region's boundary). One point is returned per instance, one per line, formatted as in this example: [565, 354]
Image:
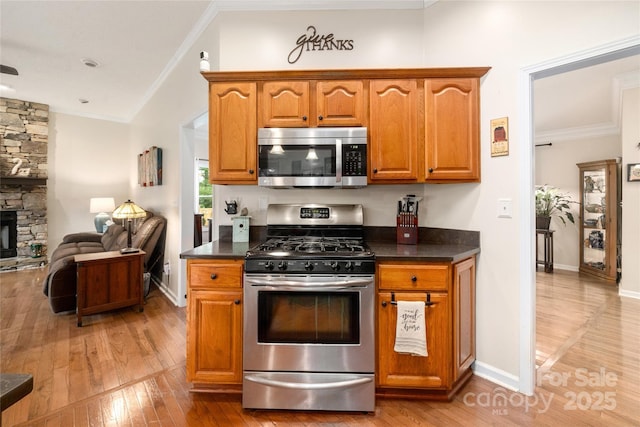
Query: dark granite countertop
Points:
[219, 249]
[434, 252]
[14, 387]
[434, 244]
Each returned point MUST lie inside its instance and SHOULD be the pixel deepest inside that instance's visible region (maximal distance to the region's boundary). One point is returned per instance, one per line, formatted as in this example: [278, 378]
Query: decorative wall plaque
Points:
[311, 41]
[500, 137]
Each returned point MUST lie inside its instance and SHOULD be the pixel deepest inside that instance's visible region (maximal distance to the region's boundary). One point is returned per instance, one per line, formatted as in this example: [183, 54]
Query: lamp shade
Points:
[101, 204]
[129, 210]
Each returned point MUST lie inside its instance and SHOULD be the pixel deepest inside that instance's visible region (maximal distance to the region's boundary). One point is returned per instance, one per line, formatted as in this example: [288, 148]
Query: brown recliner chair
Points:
[60, 283]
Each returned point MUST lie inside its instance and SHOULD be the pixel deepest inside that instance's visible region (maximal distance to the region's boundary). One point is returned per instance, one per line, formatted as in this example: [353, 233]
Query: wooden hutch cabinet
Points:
[423, 123]
[600, 195]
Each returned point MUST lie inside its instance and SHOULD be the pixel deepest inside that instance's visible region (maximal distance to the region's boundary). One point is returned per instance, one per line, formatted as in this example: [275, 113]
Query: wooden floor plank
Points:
[124, 368]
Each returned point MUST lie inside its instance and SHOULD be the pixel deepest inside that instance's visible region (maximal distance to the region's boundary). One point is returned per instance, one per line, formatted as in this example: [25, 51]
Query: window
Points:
[204, 194]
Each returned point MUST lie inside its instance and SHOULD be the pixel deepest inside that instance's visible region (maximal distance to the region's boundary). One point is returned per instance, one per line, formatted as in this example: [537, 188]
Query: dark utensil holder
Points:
[407, 229]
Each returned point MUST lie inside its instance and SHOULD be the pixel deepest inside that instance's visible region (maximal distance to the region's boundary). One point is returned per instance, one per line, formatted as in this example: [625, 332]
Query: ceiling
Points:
[137, 43]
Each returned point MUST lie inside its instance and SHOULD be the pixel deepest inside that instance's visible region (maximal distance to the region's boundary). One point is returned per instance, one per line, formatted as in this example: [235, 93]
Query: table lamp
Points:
[101, 205]
[129, 211]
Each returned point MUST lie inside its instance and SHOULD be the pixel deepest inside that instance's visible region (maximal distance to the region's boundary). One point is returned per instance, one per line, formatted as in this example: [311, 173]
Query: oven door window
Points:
[308, 317]
[297, 160]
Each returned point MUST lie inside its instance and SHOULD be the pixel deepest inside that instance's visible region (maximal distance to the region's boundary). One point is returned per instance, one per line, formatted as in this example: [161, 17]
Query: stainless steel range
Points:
[309, 312]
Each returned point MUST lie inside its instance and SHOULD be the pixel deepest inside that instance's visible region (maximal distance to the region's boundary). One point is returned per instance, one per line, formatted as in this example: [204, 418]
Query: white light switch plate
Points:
[504, 208]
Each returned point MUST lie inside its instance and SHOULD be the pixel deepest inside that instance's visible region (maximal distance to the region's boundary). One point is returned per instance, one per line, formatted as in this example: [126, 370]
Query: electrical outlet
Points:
[167, 268]
[504, 208]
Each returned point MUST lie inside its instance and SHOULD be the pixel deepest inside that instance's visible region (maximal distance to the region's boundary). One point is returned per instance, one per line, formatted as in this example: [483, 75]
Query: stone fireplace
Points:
[24, 133]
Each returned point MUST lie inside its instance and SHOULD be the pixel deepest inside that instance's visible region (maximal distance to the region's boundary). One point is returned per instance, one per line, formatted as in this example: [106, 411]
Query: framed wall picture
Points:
[150, 167]
[500, 137]
[633, 172]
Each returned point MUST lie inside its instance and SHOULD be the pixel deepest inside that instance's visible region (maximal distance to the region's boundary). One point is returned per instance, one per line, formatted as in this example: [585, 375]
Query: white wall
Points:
[508, 36]
[87, 158]
[630, 280]
[556, 166]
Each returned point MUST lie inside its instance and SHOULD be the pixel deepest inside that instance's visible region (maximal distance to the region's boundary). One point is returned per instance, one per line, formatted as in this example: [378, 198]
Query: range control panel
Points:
[310, 266]
[314, 213]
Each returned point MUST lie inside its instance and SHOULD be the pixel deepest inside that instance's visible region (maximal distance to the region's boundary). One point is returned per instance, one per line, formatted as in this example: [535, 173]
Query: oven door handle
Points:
[294, 285]
[309, 288]
[308, 386]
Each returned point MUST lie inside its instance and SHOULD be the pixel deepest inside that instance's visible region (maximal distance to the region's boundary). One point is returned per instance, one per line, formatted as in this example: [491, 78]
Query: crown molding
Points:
[580, 132]
[265, 5]
[620, 83]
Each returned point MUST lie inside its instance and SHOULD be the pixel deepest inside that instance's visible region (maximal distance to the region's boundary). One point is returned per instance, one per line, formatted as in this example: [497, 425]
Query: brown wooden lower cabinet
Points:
[214, 327]
[214, 324]
[450, 328]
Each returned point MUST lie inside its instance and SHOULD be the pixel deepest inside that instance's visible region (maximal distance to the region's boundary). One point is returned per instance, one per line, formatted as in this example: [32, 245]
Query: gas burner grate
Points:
[312, 245]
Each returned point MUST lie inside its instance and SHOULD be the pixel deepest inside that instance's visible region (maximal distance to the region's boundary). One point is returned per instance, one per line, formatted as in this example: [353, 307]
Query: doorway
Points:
[528, 76]
[193, 145]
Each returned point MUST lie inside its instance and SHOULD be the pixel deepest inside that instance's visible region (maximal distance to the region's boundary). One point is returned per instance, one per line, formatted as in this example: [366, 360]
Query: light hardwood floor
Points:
[126, 368]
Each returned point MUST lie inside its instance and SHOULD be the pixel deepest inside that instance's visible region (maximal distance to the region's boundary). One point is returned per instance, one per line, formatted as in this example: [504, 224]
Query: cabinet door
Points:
[452, 133]
[232, 133]
[214, 336]
[464, 315]
[393, 125]
[340, 103]
[284, 104]
[406, 371]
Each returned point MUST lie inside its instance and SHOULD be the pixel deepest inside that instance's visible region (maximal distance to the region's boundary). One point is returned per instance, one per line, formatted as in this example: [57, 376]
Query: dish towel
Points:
[411, 333]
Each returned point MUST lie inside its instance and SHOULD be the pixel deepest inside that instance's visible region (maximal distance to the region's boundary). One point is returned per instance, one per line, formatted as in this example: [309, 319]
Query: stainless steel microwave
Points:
[312, 157]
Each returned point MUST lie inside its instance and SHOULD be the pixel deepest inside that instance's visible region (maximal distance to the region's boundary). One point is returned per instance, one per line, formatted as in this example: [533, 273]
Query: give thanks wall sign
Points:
[311, 41]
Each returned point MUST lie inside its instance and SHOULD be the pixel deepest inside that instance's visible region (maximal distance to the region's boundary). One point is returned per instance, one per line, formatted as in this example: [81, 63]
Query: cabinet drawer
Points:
[414, 276]
[215, 275]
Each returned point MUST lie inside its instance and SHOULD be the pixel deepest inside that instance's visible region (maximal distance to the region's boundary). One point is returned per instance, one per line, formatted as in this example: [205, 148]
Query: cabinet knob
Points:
[384, 303]
[214, 276]
[236, 302]
[414, 279]
[320, 118]
[430, 170]
[304, 118]
[375, 170]
[250, 171]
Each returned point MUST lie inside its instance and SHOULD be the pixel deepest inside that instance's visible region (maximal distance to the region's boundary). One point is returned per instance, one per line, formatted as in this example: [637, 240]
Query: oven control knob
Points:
[349, 266]
[268, 265]
[308, 266]
[282, 265]
[335, 265]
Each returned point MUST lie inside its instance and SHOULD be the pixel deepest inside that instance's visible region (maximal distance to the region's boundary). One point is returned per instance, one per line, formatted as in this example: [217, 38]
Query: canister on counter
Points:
[241, 228]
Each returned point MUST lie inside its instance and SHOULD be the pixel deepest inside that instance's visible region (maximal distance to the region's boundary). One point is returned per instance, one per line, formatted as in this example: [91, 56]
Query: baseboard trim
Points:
[495, 375]
[566, 267]
[165, 290]
[629, 294]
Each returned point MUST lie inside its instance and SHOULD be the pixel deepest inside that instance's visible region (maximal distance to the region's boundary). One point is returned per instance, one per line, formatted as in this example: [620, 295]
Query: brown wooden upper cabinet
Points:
[312, 103]
[233, 133]
[423, 123]
[452, 140]
[394, 141]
